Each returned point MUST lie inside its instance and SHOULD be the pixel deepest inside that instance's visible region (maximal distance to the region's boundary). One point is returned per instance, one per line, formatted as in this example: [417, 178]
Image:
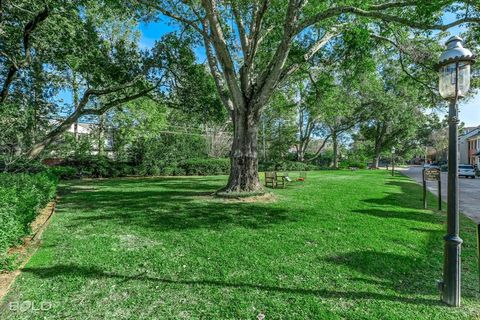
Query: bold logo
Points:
[24, 306]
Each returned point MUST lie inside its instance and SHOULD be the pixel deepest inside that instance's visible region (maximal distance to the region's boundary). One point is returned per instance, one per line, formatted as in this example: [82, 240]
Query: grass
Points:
[344, 245]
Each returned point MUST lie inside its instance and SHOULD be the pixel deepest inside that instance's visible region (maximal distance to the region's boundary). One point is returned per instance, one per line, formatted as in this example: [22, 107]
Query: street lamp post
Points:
[454, 69]
[393, 161]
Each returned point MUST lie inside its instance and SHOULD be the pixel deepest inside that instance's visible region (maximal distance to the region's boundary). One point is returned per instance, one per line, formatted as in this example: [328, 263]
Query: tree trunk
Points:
[101, 135]
[243, 156]
[75, 104]
[300, 154]
[376, 160]
[38, 147]
[335, 150]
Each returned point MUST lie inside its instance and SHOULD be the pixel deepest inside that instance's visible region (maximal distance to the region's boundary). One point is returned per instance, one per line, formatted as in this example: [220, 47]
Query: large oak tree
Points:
[253, 45]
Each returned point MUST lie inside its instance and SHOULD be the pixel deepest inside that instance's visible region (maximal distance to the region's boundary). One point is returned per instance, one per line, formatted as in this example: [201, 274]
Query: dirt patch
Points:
[80, 188]
[264, 198]
[29, 245]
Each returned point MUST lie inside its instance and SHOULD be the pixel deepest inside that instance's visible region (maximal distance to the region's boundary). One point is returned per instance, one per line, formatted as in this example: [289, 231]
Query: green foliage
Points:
[21, 165]
[102, 167]
[286, 166]
[92, 166]
[64, 172]
[21, 196]
[345, 164]
[206, 167]
[166, 149]
[193, 91]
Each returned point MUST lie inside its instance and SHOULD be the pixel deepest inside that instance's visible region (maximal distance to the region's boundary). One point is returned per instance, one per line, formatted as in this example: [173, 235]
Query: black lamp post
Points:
[393, 161]
[454, 69]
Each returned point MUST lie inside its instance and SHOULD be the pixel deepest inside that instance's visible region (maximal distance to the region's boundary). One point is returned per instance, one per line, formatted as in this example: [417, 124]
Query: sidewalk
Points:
[469, 191]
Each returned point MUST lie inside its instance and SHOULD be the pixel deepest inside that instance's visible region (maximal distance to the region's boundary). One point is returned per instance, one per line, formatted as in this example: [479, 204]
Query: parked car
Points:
[431, 166]
[466, 170]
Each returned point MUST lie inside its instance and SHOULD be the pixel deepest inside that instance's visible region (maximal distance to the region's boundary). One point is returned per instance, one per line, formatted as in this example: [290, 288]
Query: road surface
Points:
[469, 191]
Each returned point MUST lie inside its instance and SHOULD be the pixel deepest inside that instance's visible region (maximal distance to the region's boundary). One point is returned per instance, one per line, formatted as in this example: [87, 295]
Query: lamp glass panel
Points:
[448, 78]
[463, 79]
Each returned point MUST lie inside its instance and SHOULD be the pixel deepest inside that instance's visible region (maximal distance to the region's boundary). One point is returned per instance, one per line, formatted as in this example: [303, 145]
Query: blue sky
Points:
[152, 31]
[470, 111]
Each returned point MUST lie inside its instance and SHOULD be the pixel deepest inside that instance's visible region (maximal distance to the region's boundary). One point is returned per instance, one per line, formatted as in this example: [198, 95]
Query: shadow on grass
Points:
[175, 205]
[96, 273]
[404, 215]
[404, 274]
[409, 197]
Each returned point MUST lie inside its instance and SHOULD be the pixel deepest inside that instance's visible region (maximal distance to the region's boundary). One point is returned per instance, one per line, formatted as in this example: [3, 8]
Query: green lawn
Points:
[345, 245]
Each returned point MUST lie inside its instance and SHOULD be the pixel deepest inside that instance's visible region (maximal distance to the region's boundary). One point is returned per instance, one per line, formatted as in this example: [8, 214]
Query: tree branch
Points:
[402, 65]
[287, 71]
[375, 13]
[107, 106]
[174, 16]
[216, 73]
[14, 67]
[255, 35]
[241, 28]
[270, 76]
[223, 54]
[324, 143]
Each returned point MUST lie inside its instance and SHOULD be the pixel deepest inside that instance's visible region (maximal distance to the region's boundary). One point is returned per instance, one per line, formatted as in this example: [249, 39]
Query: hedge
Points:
[205, 167]
[102, 167]
[21, 198]
[286, 166]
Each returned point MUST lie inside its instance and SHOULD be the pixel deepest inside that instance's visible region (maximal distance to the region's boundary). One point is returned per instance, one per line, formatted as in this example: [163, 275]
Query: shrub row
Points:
[203, 167]
[21, 197]
[352, 164]
[287, 166]
[101, 167]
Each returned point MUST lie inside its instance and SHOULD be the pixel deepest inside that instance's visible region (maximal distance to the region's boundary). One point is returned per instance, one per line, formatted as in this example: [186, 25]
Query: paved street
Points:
[469, 191]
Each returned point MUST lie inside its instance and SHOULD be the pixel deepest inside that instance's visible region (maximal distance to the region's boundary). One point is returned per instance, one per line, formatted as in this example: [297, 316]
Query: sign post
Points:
[432, 174]
[478, 253]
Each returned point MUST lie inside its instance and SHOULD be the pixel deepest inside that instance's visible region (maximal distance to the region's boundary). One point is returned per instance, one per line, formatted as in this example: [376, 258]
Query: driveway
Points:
[469, 191]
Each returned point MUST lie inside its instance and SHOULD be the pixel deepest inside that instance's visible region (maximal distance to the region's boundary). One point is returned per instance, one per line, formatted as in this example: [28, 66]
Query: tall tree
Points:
[252, 46]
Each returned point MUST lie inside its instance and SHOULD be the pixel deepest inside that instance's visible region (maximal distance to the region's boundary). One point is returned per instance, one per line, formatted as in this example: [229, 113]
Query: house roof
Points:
[470, 134]
[474, 137]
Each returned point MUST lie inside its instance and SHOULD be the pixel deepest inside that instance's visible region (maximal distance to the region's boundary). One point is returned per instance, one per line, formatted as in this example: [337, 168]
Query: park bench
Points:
[270, 179]
[281, 179]
[275, 179]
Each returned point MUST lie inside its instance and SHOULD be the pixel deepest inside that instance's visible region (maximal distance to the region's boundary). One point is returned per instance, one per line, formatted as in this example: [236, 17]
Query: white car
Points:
[431, 166]
[466, 170]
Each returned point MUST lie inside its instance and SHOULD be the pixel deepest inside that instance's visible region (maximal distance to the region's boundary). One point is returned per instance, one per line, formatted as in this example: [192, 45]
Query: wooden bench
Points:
[270, 178]
[281, 179]
[274, 179]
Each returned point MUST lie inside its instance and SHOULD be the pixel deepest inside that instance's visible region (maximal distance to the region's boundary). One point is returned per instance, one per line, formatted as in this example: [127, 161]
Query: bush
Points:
[21, 196]
[286, 166]
[93, 166]
[22, 165]
[154, 171]
[64, 172]
[124, 169]
[169, 171]
[355, 164]
[179, 171]
[204, 167]
[102, 167]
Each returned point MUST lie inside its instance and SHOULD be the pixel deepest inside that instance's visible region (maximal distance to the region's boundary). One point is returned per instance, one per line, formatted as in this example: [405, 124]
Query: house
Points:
[469, 145]
[474, 149]
[92, 131]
